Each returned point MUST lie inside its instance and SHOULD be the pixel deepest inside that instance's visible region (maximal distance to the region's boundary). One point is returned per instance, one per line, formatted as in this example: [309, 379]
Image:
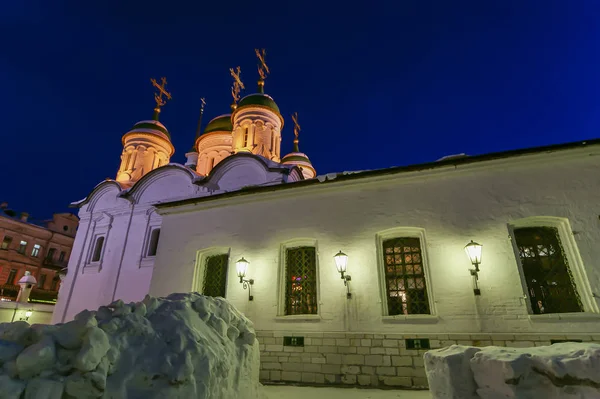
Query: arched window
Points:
[98, 249]
[245, 137]
[550, 284]
[153, 246]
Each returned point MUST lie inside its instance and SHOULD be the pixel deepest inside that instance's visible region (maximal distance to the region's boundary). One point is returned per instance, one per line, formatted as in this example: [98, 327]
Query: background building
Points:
[42, 248]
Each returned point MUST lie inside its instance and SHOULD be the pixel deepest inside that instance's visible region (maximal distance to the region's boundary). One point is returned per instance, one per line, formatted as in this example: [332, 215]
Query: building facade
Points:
[404, 229]
[43, 249]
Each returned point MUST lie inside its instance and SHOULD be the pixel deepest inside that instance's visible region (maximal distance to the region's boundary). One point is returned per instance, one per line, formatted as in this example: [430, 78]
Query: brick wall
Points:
[377, 360]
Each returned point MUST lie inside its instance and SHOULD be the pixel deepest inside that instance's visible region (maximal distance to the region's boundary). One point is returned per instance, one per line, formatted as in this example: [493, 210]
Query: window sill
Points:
[299, 318]
[147, 262]
[554, 317]
[92, 268]
[411, 319]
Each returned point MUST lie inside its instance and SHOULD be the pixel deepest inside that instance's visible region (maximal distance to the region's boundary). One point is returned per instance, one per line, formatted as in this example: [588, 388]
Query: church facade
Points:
[242, 221]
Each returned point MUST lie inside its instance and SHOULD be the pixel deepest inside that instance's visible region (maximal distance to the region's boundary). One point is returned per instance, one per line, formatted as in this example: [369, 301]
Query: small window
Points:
[61, 257]
[50, 254]
[546, 270]
[153, 245]
[35, 251]
[245, 137]
[6, 242]
[22, 247]
[42, 281]
[215, 275]
[98, 249]
[301, 281]
[65, 228]
[11, 277]
[406, 289]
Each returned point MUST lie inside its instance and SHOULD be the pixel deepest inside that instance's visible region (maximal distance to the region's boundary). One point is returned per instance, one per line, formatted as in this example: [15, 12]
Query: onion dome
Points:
[259, 100]
[151, 127]
[301, 160]
[221, 123]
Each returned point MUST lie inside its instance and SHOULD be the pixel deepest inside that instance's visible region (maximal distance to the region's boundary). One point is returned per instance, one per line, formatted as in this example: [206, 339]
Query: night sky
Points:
[393, 83]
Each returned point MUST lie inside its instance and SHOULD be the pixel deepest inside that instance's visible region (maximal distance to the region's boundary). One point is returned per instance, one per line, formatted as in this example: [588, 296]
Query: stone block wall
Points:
[376, 360]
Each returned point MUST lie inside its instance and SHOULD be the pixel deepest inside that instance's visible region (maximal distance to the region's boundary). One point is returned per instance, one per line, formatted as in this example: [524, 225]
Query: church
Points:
[348, 277]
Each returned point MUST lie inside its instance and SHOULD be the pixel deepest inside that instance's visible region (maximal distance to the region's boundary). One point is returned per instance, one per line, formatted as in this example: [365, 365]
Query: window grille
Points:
[549, 280]
[404, 276]
[215, 275]
[301, 281]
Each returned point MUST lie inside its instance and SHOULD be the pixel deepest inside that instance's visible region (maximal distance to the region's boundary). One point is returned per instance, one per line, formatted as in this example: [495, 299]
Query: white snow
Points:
[566, 370]
[182, 346]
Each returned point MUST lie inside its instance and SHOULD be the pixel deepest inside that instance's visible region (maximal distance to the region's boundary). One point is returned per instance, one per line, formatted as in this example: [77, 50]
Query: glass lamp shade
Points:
[473, 251]
[341, 261]
[242, 267]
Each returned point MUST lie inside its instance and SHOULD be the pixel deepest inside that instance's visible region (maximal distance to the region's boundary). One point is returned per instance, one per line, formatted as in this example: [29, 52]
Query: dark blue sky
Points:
[375, 85]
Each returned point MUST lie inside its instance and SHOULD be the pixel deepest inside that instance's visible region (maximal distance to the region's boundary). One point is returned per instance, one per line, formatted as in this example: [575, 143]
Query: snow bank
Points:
[566, 370]
[182, 346]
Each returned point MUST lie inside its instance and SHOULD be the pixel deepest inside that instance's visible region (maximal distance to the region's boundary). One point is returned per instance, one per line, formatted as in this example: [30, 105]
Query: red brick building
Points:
[42, 248]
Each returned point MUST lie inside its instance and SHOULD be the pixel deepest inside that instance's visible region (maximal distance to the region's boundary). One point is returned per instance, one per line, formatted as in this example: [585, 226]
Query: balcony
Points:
[55, 264]
[9, 291]
[43, 296]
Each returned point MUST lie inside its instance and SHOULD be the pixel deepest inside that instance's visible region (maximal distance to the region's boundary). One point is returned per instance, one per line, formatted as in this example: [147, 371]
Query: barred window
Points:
[301, 281]
[549, 280]
[406, 289]
[215, 275]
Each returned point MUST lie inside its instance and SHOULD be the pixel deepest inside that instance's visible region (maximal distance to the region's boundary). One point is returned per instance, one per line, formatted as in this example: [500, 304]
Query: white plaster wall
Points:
[453, 205]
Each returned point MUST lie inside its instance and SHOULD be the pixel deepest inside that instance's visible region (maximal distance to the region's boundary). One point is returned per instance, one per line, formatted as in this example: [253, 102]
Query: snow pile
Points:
[566, 370]
[182, 346]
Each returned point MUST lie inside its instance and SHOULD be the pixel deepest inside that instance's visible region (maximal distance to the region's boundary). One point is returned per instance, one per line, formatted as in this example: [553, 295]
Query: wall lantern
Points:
[242, 267]
[341, 261]
[473, 251]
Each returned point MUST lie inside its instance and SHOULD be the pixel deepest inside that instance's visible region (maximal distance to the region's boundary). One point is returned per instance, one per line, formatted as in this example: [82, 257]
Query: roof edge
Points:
[386, 171]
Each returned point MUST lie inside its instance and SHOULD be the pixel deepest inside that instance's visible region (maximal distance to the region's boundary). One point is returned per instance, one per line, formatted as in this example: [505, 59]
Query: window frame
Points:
[16, 272]
[22, 249]
[281, 301]
[8, 242]
[200, 266]
[101, 227]
[571, 252]
[153, 222]
[36, 250]
[404, 232]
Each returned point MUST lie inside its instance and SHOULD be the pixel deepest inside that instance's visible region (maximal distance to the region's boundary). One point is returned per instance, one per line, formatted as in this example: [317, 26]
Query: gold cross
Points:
[237, 83]
[203, 101]
[296, 125]
[263, 69]
[158, 97]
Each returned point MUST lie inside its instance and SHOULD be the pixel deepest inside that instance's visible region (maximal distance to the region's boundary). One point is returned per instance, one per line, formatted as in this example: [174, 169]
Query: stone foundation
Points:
[376, 360]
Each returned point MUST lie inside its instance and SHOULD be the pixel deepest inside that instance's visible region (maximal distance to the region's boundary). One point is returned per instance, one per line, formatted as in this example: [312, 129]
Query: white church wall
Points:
[451, 205]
